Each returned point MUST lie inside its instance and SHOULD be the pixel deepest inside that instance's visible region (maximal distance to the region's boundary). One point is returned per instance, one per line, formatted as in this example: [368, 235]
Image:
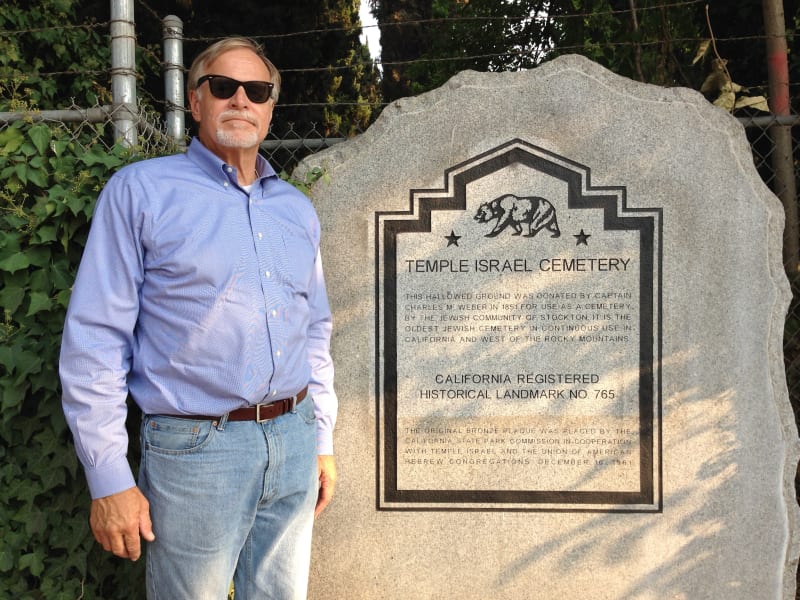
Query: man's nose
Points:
[240, 98]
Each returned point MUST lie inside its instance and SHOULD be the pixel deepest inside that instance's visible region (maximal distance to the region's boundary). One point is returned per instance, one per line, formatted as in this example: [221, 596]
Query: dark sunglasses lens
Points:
[225, 87]
[257, 91]
[222, 87]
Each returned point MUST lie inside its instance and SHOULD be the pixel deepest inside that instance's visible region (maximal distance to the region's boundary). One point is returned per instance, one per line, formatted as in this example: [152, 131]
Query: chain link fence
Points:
[94, 126]
[284, 149]
[763, 146]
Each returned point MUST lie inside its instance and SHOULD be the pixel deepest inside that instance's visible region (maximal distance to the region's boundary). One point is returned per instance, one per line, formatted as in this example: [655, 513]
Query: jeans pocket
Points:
[173, 435]
[306, 410]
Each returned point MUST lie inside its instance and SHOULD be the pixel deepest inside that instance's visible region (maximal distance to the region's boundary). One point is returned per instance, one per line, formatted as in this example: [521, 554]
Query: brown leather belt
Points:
[258, 413]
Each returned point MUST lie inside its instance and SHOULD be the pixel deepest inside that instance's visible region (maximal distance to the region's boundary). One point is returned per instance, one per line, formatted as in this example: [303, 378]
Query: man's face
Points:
[236, 122]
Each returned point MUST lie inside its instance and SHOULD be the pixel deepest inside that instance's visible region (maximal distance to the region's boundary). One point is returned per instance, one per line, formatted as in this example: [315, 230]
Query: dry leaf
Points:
[756, 102]
[726, 100]
[702, 49]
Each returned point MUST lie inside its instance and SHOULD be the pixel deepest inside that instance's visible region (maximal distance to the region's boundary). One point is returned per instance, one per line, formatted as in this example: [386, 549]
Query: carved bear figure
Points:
[515, 211]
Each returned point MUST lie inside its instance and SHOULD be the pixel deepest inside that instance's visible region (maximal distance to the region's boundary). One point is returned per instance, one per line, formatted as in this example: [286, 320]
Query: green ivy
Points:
[50, 184]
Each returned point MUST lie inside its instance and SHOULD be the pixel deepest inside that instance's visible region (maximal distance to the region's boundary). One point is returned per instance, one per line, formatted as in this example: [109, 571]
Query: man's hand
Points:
[119, 519]
[327, 481]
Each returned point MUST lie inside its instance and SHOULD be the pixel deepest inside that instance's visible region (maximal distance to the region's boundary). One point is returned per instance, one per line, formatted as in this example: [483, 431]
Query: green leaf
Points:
[61, 274]
[28, 149]
[10, 141]
[7, 357]
[70, 533]
[38, 177]
[21, 171]
[62, 298]
[40, 280]
[98, 155]
[15, 263]
[59, 146]
[40, 136]
[39, 302]
[11, 397]
[11, 298]
[57, 193]
[6, 561]
[35, 523]
[33, 562]
[39, 255]
[47, 233]
[76, 204]
[27, 363]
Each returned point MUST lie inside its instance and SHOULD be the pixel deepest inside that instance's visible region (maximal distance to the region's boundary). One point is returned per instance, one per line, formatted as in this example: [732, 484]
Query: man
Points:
[201, 294]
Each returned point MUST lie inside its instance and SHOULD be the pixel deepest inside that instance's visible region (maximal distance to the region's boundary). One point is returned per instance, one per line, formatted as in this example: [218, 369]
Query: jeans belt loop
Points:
[220, 424]
[293, 404]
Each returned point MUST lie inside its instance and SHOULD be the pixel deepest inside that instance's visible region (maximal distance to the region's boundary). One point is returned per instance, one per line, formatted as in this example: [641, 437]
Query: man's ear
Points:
[194, 104]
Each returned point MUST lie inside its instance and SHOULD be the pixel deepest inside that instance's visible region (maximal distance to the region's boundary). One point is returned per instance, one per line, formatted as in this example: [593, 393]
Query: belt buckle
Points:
[258, 413]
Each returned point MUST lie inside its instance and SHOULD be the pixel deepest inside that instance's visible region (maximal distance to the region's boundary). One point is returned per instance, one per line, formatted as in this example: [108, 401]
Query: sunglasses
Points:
[224, 87]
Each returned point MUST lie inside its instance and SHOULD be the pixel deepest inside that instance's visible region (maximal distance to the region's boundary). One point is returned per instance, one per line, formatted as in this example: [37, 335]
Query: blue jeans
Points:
[230, 501]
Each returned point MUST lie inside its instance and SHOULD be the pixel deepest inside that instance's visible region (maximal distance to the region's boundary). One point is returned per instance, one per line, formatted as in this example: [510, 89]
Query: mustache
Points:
[237, 114]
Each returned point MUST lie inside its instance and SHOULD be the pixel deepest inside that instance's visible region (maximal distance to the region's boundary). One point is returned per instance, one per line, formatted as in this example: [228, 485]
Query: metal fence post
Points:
[779, 103]
[173, 78]
[123, 72]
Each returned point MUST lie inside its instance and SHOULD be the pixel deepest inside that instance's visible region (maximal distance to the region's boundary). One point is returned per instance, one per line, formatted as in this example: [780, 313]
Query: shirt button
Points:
[229, 169]
[267, 274]
[224, 184]
[274, 313]
[274, 392]
[278, 353]
[260, 235]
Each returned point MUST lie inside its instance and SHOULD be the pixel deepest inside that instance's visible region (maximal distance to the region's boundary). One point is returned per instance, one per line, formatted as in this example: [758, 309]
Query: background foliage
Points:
[328, 78]
[51, 183]
[425, 42]
[50, 177]
[46, 48]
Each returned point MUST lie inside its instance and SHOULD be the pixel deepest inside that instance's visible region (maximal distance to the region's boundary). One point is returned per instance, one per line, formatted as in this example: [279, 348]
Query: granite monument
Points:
[558, 301]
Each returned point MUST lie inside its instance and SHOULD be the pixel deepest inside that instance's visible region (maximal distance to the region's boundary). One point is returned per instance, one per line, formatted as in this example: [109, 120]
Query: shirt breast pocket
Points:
[296, 256]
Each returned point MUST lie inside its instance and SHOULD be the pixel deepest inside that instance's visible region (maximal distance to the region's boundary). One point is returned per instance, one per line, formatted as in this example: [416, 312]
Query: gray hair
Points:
[215, 50]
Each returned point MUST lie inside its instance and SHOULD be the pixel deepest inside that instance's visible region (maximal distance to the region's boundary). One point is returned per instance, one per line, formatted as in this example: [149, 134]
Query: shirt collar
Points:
[214, 166]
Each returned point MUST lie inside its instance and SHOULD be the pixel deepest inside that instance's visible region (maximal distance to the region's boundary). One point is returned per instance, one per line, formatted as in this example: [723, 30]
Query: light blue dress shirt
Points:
[196, 297]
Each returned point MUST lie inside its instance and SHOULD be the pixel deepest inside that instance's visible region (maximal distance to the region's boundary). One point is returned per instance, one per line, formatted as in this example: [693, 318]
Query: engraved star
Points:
[582, 238]
[452, 239]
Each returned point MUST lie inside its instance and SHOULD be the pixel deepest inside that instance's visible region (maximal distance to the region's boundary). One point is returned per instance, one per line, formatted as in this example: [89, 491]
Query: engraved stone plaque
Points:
[558, 302]
[520, 336]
